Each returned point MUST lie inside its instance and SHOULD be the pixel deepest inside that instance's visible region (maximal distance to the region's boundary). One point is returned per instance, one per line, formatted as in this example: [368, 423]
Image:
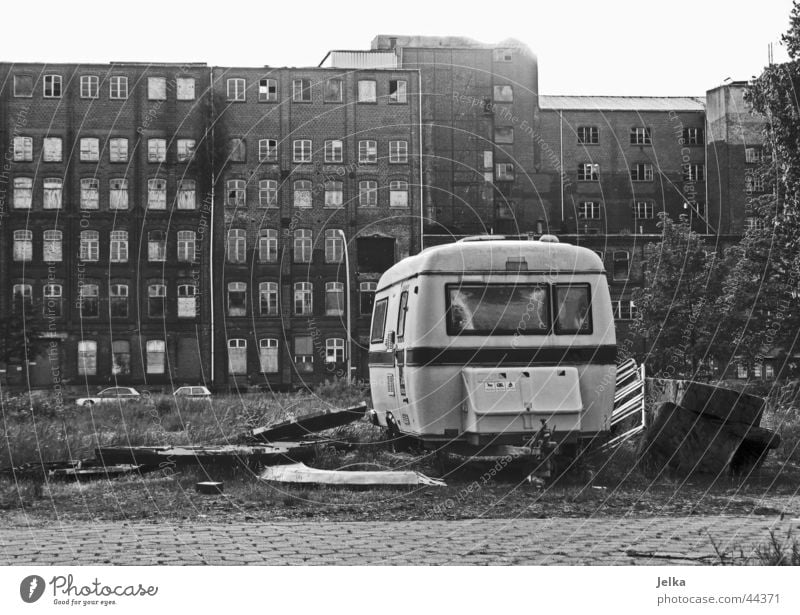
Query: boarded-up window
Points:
[302, 193]
[237, 150]
[23, 245]
[398, 194]
[23, 86]
[334, 298]
[237, 357]
[268, 356]
[90, 149]
[23, 192]
[52, 247]
[187, 301]
[156, 194]
[118, 150]
[185, 88]
[186, 149]
[367, 91]
[267, 90]
[156, 150]
[156, 356]
[186, 194]
[87, 358]
[304, 353]
[333, 90]
[90, 193]
[156, 88]
[23, 149]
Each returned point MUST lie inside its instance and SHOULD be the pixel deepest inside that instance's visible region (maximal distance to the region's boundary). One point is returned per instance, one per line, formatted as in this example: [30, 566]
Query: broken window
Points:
[118, 194]
[334, 195]
[375, 254]
[156, 300]
[334, 350]
[268, 245]
[267, 90]
[52, 247]
[573, 309]
[237, 299]
[90, 193]
[23, 86]
[588, 172]
[118, 150]
[157, 246]
[267, 150]
[52, 86]
[497, 309]
[156, 194]
[642, 172]
[504, 171]
[186, 149]
[366, 292]
[333, 90]
[621, 265]
[52, 193]
[237, 150]
[23, 246]
[236, 191]
[503, 134]
[186, 194]
[503, 93]
[304, 353]
[22, 297]
[89, 300]
[120, 357]
[118, 299]
[368, 193]
[398, 91]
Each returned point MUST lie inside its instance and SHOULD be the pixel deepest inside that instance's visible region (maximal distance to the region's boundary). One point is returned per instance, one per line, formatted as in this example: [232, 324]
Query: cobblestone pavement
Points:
[628, 541]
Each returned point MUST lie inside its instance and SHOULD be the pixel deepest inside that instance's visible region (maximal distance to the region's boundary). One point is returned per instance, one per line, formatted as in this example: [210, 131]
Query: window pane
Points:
[573, 314]
[497, 309]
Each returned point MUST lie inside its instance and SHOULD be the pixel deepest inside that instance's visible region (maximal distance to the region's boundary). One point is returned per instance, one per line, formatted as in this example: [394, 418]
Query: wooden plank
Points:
[301, 474]
[308, 424]
[170, 456]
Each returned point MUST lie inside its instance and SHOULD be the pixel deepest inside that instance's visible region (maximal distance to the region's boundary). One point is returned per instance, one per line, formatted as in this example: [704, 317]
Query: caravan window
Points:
[401, 315]
[497, 309]
[379, 320]
[573, 308]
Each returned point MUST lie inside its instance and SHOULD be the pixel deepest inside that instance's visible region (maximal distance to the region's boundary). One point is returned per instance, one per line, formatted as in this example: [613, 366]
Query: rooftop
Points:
[623, 103]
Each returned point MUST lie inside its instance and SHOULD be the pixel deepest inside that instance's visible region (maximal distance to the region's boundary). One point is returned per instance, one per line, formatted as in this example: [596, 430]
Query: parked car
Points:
[194, 392]
[111, 394]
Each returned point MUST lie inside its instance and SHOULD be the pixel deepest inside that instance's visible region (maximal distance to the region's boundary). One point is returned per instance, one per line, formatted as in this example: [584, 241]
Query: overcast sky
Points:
[623, 47]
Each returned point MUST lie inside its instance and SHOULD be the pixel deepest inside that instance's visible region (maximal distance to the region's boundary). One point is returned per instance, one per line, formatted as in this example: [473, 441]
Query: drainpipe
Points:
[211, 232]
[561, 162]
[419, 124]
[347, 295]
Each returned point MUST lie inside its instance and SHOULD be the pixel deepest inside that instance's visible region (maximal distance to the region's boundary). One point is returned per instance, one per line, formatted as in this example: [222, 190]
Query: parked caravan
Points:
[491, 341]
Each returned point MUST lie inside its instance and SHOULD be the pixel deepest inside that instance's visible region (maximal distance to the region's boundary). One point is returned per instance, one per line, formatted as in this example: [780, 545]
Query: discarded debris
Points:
[82, 469]
[702, 428]
[171, 456]
[310, 423]
[301, 474]
[209, 488]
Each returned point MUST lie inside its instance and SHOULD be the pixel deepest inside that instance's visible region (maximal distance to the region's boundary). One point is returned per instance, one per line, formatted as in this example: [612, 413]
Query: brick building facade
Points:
[170, 224]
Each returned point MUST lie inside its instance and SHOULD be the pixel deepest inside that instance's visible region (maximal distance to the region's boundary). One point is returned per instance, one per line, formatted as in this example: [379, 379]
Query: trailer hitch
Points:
[542, 447]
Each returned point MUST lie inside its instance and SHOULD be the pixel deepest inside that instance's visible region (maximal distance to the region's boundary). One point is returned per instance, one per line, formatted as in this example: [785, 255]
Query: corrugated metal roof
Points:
[360, 59]
[623, 103]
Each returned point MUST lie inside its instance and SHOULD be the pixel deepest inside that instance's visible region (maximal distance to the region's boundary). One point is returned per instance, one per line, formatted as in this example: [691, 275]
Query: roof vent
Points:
[549, 238]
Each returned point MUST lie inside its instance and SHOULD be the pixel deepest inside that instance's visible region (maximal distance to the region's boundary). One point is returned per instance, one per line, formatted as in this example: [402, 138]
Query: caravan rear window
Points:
[498, 309]
[379, 320]
[573, 308]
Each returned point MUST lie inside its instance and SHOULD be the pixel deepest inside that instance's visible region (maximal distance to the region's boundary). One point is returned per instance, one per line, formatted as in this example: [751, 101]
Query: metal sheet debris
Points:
[171, 456]
[301, 474]
[302, 426]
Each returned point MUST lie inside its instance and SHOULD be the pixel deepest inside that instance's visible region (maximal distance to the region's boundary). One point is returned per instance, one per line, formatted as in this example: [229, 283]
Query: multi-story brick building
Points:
[168, 224]
[180, 223]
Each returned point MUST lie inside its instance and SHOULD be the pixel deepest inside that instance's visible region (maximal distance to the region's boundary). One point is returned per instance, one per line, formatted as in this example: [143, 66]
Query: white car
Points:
[111, 394]
[194, 392]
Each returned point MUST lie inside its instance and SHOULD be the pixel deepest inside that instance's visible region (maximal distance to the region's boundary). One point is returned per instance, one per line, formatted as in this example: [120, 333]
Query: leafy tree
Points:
[759, 302]
[20, 336]
[675, 304]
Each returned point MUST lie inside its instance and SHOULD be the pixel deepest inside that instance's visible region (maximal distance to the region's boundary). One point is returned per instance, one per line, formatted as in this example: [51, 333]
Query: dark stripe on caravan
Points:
[560, 355]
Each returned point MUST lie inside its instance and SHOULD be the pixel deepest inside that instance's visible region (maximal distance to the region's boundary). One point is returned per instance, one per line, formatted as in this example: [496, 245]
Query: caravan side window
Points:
[573, 308]
[379, 320]
[401, 315]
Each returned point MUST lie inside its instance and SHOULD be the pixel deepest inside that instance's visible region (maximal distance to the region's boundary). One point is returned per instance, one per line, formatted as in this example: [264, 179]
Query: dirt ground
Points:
[609, 486]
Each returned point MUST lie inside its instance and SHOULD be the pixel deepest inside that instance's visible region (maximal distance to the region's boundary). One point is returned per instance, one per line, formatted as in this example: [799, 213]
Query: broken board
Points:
[171, 456]
[301, 474]
[84, 469]
[310, 423]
